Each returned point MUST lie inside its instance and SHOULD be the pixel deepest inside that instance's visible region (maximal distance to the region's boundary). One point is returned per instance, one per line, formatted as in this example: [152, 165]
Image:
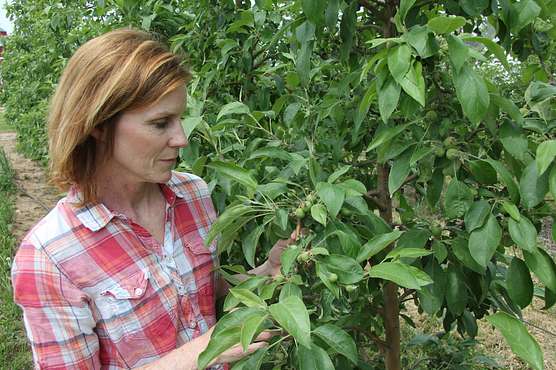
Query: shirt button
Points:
[212, 249]
[192, 325]
[138, 291]
[168, 225]
[181, 291]
[168, 259]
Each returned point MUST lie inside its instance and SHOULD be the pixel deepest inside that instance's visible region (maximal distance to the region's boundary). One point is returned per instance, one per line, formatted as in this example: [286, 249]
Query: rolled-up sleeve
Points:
[58, 316]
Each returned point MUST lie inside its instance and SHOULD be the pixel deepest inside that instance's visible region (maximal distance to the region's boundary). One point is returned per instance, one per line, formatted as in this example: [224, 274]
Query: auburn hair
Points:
[119, 71]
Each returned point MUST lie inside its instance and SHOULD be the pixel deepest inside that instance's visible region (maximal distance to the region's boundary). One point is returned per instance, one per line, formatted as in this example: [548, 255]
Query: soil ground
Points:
[31, 175]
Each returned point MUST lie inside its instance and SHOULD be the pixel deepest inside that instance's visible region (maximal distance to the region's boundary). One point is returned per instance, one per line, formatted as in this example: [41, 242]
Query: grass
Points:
[15, 352]
[3, 125]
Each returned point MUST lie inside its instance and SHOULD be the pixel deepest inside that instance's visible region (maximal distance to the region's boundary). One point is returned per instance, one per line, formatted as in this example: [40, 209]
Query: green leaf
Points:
[304, 32]
[304, 63]
[248, 298]
[405, 6]
[458, 51]
[337, 174]
[456, 291]
[318, 212]
[507, 105]
[377, 244]
[272, 152]
[512, 210]
[250, 327]
[404, 275]
[385, 136]
[217, 345]
[408, 252]
[288, 257]
[250, 244]
[413, 83]
[249, 284]
[513, 138]
[233, 108]
[235, 318]
[420, 154]
[314, 358]
[400, 170]
[432, 302]
[313, 9]
[254, 361]
[236, 173]
[332, 196]
[388, 97]
[324, 277]
[542, 266]
[458, 199]
[523, 233]
[473, 7]
[519, 283]
[460, 247]
[533, 188]
[483, 172]
[443, 25]
[523, 13]
[225, 219]
[484, 240]
[546, 152]
[338, 340]
[290, 290]
[519, 339]
[512, 187]
[492, 46]
[422, 40]
[472, 93]
[399, 61]
[293, 316]
[476, 215]
[347, 269]
[552, 182]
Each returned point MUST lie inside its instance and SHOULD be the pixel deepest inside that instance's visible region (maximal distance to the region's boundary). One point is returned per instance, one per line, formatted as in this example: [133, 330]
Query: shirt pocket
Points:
[139, 310]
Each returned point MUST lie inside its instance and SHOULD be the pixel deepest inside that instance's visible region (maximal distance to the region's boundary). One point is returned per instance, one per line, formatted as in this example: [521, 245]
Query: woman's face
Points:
[147, 140]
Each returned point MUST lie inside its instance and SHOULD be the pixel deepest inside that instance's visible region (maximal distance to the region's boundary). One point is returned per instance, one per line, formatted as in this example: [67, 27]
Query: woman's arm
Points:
[185, 357]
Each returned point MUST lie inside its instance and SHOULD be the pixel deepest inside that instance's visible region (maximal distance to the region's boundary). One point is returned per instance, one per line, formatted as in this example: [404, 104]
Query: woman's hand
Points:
[273, 264]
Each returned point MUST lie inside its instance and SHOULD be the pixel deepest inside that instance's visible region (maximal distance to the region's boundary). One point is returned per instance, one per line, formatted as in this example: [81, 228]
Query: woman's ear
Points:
[99, 133]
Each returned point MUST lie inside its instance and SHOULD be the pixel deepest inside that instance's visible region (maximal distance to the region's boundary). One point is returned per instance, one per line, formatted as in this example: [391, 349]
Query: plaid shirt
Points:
[98, 291]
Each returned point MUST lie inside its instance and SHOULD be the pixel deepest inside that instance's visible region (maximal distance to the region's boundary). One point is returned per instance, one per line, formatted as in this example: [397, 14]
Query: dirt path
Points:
[32, 177]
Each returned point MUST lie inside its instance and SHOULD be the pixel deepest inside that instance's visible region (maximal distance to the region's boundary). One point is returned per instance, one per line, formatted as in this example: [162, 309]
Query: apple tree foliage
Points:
[337, 116]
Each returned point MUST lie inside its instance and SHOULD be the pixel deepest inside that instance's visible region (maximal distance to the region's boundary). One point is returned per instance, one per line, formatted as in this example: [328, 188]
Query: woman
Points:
[117, 276]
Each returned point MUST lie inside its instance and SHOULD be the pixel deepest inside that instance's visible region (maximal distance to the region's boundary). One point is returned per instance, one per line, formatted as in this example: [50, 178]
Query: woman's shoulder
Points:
[188, 184]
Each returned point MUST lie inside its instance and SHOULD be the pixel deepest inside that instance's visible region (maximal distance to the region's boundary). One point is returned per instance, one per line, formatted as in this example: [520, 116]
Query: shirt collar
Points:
[96, 215]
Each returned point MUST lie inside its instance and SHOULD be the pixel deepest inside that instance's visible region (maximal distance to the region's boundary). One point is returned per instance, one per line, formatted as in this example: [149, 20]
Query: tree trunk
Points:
[391, 305]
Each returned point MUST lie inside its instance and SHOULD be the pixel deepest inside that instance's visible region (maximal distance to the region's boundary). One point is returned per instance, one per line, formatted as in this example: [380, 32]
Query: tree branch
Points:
[424, 359]
[373, 9]
[382, 345]
[548, 74]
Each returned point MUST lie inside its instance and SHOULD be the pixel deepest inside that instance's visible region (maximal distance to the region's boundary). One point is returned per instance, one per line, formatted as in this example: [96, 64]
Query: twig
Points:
[425, 359]
[405, 294]
[410, 178]
[365, 26]
[30, 196]
[373, 9]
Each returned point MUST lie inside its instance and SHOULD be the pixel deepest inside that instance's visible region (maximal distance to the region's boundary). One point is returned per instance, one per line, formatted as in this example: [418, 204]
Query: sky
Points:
[4, 22]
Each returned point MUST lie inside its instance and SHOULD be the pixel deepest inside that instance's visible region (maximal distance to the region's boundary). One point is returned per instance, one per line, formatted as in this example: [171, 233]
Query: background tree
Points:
[331, 115]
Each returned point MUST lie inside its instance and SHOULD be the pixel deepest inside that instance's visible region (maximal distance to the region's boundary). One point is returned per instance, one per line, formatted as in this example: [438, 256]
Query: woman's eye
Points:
[161, 125]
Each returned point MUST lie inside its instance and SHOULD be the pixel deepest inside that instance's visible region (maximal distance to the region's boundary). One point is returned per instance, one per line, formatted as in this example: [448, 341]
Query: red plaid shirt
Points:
[98, 291]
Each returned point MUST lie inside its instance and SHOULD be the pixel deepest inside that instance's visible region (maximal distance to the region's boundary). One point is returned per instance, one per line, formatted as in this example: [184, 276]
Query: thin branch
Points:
[382, 345]
[256, 66]
[374, 201]
[472, 174]
[365, 26]
[405, 294]
[366, 163]
[548, 74]
[373, 193]
[359, 50]
[414, 176]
